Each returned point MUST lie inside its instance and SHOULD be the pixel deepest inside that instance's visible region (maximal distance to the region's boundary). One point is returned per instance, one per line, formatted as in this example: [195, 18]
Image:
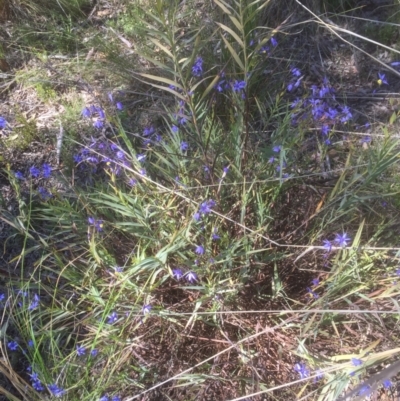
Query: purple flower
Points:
[387, 383]
[46, 170]
[101, 113]
[120, 154]
[315, 281]
[146, 309]
[295, 72]
[225, 170]
[197, 69]
[274, 42]
[191, 277]
[104, 398]
[34, 172]
[30, 343]
[12, 345]
[3, 123]
[302, 370]
[364, 390]
[177, 274]
[206, 207]
[196, 216]
[86, 113]
[239, 85]
[174, 129]
[184, 146]
[356, 361]
[215, 236]
[116, 398]
[112, 318]
[94, 352]
[142, 172]
[55, 390]
[325, 130]
[119, 106]
[327, 245]
[312, 293]
[35, 302]
[80, 350]
[44, 193]
[36, 383]
[382, 79]
[148, 131]
[98, 124]
[342, 240]
[277, 148]
[19, 176]
[199, 250]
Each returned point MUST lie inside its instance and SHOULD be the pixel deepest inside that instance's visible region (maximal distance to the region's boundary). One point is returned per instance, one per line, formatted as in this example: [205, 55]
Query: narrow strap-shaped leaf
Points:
[232, 32]
[234, 54]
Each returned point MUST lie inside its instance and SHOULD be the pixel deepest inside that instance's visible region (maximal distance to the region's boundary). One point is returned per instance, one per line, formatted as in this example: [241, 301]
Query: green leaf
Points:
[234, 54]
[232, 32]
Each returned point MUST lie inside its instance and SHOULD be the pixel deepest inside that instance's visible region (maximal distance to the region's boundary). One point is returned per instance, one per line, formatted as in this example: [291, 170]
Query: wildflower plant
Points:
[187, 212]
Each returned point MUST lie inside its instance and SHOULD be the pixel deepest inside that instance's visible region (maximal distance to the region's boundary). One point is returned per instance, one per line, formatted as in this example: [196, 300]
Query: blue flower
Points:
[174, 129]
[116, 398]
[86, 113]
[101, 113]
[191, 277]
[34, 303]
[312, 293]
[364, 390]
[274, 42]
[98, 124]
[46, 170]
[382, 79]
[196, 216]
[34, 172]
[146, 309]
[80, 350]
[2, 297]
[104, 398]
[55, 390]
[315, 281]
[30, 343]
[184, 146]
[148, 131]
[199, 250]
[302, 370]
[387, 383]
[356, 361]
[177, 274]
[94, 352]
[19, 176]
[44, 193]
[239, 85]
[12, 345]
[206, 207]
[215, 236]
[119, 106]
[277, 148]
[197, 69]
[3, 123]
[342, 240]
[295, 72]
[37, 385]
[112, 318]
